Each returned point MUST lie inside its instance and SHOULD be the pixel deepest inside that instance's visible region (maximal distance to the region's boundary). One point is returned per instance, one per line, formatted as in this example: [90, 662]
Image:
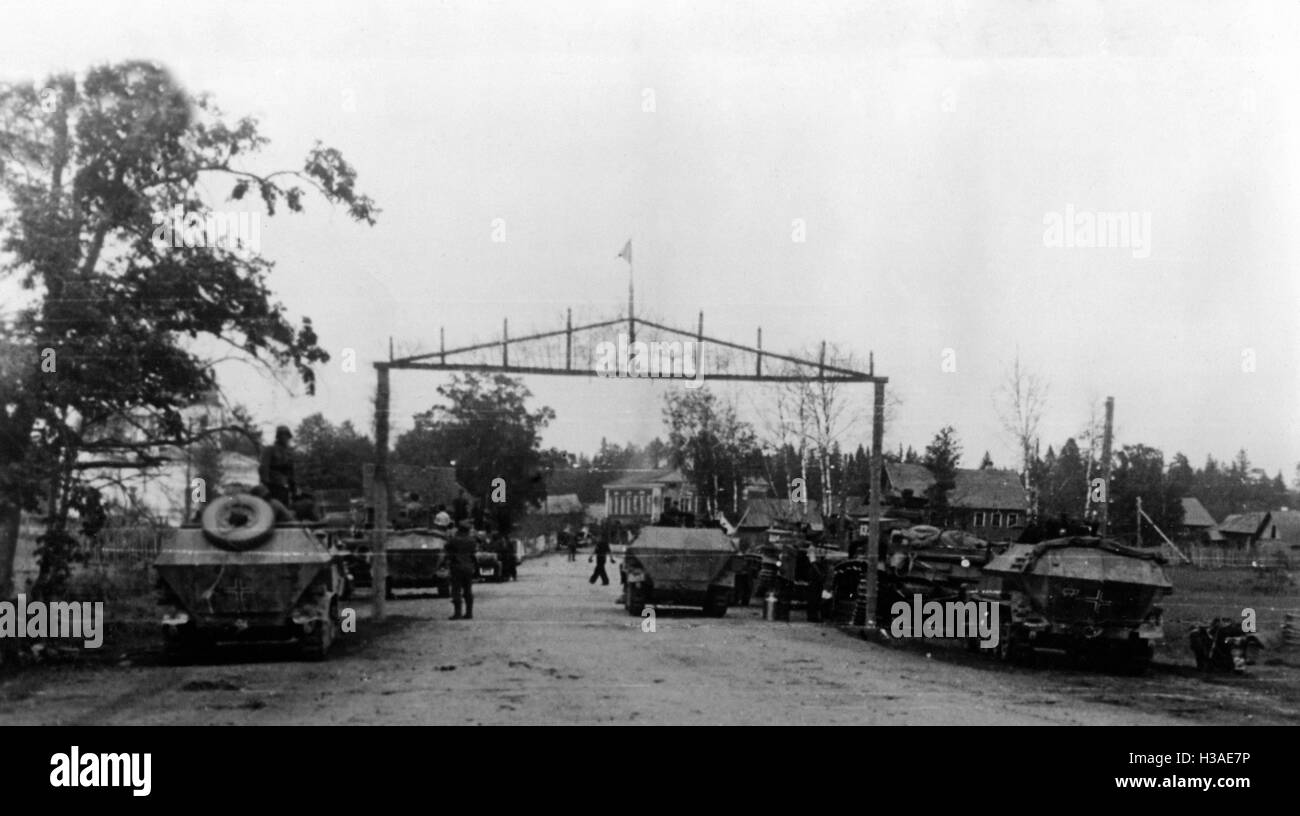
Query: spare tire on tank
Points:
[238, 523]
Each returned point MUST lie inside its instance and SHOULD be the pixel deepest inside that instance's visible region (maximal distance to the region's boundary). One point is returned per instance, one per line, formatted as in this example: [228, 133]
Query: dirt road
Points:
[551, 648]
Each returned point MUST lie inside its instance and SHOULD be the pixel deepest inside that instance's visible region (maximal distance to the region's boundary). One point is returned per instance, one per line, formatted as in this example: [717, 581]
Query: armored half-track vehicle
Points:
[416, 559]
[680, 566]
[241, 574]
[1082, 594]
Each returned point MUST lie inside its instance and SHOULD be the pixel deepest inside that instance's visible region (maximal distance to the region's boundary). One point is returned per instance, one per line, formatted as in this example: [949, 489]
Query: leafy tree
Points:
[216, 432]
[487, 428]
[614, 457]
[656, 453]
[711, 445]
[101, 358]
[330, 457]
[987, 462]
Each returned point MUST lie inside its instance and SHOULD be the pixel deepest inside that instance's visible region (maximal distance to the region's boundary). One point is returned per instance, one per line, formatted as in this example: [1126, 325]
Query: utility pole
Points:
[379, 494]
[868, 590]
[1105, 465]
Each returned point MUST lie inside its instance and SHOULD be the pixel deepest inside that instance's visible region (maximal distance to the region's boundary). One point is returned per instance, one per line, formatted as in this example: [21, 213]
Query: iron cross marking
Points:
[1097, 602]
[238, 591]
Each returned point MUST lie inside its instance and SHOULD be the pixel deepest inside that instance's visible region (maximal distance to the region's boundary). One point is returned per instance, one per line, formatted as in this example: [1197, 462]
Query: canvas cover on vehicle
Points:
[1085, 579]
[1086, 559]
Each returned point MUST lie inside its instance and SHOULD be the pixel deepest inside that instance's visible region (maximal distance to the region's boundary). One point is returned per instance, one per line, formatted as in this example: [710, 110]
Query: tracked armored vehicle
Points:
[680, 566]
[243, 575]
[1082, 594]
[416, 559]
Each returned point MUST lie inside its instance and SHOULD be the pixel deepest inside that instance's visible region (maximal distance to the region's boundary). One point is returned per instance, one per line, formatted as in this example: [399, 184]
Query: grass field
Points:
[1202, 594]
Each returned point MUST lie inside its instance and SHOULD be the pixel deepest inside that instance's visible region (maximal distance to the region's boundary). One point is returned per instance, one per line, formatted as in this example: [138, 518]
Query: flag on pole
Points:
[626, 254]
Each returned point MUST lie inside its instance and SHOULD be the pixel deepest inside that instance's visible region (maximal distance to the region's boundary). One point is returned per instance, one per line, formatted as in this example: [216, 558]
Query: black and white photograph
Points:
[511, 363]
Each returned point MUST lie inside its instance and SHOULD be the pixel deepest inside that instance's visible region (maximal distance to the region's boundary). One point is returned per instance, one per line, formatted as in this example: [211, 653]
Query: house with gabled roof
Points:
[1241, 530]
[763, 515]
[1198, 525]
[1262, 537]
[641, 496]
[989, 503]
[907, 485]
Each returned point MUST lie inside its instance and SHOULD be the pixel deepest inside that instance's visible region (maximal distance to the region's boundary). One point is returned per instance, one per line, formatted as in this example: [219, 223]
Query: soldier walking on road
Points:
[461, 564]
[602, 552]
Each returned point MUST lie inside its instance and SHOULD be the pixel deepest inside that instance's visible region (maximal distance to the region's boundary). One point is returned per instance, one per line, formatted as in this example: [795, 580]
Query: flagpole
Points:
[631, 321]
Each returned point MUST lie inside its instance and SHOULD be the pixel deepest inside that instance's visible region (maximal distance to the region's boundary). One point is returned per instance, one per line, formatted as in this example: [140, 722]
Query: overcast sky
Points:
[924, 149]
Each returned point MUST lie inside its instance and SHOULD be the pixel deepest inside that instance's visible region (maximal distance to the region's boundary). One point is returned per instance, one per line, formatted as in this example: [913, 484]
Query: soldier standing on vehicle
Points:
[461, 564]
[602, 552]
[276, 471]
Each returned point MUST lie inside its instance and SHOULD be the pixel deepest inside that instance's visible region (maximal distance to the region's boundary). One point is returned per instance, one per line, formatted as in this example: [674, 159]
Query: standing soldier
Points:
[276, 471]
[602, 552]
[461, 564]
[509, 558]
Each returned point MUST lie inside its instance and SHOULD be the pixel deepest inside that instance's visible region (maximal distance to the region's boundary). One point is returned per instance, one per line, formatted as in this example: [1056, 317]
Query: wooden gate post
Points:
[868, 589]
[379, 494]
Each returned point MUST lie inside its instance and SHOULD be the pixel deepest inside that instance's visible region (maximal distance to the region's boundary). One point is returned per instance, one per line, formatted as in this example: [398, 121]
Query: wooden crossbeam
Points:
[825, 372]
[497, 368]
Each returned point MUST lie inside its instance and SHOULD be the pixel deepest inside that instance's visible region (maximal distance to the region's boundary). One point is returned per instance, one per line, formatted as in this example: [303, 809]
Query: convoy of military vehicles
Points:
[245, 571]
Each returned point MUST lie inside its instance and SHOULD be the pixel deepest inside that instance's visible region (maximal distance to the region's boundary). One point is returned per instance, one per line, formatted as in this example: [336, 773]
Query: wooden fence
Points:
[127, 546]
[1266, 554]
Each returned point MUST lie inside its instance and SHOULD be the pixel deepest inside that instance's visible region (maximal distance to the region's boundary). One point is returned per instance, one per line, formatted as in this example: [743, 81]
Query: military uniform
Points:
[509, 558]
[462, 565]
[276, 471]
[602, 552]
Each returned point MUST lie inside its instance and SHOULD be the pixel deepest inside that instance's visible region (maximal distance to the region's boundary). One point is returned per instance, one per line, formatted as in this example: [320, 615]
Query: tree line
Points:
[487, 430]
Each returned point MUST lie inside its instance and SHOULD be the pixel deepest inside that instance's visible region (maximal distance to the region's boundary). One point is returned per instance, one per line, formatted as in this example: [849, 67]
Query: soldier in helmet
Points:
[462, 564]
[276, 471]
